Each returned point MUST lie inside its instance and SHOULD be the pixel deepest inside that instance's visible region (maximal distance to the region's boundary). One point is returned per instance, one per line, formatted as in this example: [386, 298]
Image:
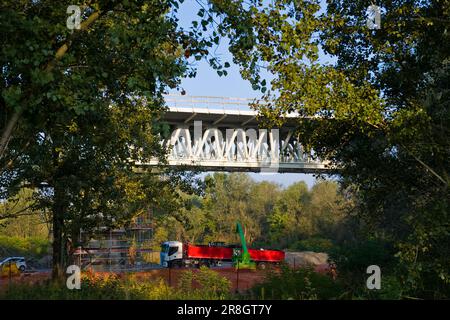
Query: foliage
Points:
[271, 216]
[19, 217]
[160, 235]
[210, 285]
[380, 114]
[380, 111]
[9, 270]
[27, 247]
[79, 107]
[399, 172]
[352, 260]
[313, 244]
[302, 284]
[300, 213]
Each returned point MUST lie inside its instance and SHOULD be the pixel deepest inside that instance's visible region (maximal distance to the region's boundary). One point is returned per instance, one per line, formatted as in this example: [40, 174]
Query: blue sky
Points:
[209, 83]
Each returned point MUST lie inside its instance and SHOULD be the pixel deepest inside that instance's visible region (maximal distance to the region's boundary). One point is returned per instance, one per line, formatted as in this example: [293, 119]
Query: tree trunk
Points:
[7, 132]
[58, 227]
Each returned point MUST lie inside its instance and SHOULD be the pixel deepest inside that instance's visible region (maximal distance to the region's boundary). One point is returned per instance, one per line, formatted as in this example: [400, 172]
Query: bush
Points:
[205, 284]
[357, 257]
[352, 260]
[313, 244]
[302, 284]
[210, 284]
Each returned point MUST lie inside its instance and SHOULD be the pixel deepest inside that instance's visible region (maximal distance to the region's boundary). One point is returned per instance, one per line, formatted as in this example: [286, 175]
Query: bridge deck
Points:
[219, 117]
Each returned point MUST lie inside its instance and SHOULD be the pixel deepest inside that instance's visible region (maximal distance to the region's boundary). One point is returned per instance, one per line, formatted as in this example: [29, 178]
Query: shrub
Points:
[211, 285]
[314, 244]
[352, 260]
[205, 284]
[303, 284]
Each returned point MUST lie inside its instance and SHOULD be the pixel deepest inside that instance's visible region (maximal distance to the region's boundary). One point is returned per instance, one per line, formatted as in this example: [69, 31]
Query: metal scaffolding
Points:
[127, 248]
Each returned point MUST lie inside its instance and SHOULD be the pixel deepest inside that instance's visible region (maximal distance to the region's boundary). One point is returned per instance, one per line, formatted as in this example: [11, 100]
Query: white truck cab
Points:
[171, 252]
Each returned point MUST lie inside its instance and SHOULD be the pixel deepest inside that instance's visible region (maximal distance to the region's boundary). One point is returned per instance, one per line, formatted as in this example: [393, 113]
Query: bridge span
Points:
[223, 134]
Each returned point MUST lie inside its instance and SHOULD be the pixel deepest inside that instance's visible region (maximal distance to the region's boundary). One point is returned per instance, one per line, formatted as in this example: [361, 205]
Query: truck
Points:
[178, 254]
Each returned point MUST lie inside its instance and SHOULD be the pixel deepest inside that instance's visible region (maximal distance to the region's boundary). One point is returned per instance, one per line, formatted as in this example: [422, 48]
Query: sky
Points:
[209, 83]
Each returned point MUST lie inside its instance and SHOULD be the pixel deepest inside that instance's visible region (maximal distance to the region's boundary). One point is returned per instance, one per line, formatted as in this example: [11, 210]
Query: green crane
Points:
[241, 259]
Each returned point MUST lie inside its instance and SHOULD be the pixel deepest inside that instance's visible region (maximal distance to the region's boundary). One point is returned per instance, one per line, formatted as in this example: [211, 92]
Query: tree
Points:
[290, 219]
[78, 107]
[327, 205]
[271, 216]
[24, 220]
[380, 113]
[403, 191]
[212, 216]
[262, 200]
[226, 197]
[300, 213]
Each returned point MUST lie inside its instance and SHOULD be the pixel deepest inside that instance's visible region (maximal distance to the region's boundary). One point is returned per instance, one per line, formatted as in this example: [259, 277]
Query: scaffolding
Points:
[122, 249]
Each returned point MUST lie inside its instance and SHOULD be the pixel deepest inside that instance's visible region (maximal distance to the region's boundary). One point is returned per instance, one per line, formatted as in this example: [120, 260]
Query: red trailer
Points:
[175, 253]
[207, 252]
[262, 255]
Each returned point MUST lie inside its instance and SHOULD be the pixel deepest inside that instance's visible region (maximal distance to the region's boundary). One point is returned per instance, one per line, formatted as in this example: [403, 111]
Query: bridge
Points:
[222, 134]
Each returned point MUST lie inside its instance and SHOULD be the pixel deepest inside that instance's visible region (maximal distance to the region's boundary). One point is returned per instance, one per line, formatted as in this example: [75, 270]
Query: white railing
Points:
[209, 102]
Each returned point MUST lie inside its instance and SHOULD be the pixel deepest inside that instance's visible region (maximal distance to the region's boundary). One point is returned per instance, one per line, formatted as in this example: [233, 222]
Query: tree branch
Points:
[18, 213]
[427, 167]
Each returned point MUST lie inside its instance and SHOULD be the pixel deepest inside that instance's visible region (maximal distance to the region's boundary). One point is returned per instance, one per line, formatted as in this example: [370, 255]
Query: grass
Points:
[205, 284]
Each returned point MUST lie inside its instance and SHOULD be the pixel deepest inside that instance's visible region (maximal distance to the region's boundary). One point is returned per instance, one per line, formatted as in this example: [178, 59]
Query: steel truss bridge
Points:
[222, 134]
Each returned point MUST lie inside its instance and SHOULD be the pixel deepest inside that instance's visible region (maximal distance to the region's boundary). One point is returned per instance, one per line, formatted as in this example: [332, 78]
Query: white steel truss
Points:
[239, 149]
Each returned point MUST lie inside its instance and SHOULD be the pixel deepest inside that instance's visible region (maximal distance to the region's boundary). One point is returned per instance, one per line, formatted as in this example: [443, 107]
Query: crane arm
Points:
[241, 235]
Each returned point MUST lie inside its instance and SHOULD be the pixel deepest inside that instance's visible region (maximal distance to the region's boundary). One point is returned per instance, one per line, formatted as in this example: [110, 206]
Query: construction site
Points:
[126, 248]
